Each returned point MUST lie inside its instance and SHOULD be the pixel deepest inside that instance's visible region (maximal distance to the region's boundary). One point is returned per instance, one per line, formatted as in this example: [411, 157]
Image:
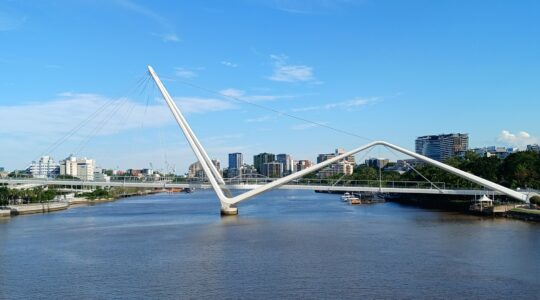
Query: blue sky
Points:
[390, 70]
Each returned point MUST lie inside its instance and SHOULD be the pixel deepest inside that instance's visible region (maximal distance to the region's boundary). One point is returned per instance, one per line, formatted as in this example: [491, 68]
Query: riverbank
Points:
[47, 207]
[37, 208]
[531, 215]
[4, 213]
[456, 204]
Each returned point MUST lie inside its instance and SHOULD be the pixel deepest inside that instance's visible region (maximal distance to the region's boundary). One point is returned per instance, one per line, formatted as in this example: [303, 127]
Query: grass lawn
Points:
[527, 211]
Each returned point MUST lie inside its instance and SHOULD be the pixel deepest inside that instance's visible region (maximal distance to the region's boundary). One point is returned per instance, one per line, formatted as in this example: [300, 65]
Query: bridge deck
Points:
[319, 187]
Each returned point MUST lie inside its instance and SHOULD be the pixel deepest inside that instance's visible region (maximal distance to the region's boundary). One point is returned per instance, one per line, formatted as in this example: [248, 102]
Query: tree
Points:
[521, 169]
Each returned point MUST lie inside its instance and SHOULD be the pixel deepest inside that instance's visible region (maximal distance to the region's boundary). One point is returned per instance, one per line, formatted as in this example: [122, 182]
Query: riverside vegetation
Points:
[41, 195]
[518, 170]
[34, 195]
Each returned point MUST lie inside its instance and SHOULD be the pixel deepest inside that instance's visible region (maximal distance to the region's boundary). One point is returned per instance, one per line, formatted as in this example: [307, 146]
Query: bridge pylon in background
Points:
[229, 203]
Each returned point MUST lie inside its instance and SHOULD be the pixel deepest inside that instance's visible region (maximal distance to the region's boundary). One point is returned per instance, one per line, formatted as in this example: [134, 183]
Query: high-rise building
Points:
[272, 169]
[443, 146]
[236, 161]
[533, 147]
[339, 151]
[303, 164]
[323, 157]
[350, 159]
[196, 170]
[451, 144]
[429, 145]
[377, 163]
[249, 171]
[345, 166]
[262, 158]
[46, 167]
[287, 162]
[81, 168]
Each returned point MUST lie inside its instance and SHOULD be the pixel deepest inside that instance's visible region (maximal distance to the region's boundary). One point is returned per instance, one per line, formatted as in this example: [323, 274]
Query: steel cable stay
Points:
[276, 111]
[94, 115]
[107, 118]
[99, 125]
[363, 157]
[415, 170]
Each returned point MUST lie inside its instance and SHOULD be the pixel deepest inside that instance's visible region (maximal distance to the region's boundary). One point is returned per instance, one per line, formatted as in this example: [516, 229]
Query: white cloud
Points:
[202, 105]
[69, 109]
[29, 129]
[242, 95]
[520, 139]
[185, 73]
[234, 93]
[290, 73]
[349, 105]
[229, 64]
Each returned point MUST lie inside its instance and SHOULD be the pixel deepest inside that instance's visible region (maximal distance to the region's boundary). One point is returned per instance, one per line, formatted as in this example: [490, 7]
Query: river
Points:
[283, 244]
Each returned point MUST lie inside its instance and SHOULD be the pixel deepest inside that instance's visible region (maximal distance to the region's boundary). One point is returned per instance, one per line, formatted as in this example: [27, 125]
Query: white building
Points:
[81, 168]
[100, 176]
[500, 152]
[345, 166]
[195, 170]
[44, 168]
[378, 163]
[533, 147]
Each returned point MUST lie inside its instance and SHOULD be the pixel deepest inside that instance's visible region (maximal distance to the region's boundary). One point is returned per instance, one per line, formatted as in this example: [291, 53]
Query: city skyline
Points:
[471, 74]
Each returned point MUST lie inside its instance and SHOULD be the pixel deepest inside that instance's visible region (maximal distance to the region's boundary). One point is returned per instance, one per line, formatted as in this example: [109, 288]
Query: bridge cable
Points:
[416, 171]
[106, 119]
[84, 122]
[279, 112]
[363, 157]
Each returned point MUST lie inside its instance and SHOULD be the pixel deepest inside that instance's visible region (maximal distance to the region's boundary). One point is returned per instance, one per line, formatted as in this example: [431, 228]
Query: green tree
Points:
[521, 169]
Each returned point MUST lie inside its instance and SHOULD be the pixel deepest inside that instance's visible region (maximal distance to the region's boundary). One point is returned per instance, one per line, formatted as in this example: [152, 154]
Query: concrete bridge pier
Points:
[228, 210]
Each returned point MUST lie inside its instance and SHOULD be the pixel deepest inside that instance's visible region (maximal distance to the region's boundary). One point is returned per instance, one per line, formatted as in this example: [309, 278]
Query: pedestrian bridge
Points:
[323, 185]
[229, 203]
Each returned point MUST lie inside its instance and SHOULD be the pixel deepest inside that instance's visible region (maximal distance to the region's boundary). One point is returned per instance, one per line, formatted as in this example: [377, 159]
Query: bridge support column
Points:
[227, 210]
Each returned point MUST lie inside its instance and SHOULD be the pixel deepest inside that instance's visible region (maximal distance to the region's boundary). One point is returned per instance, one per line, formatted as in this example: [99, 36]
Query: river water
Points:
[284, 244]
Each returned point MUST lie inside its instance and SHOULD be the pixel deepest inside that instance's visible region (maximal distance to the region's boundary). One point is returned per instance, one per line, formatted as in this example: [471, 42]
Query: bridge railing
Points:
[335, 182]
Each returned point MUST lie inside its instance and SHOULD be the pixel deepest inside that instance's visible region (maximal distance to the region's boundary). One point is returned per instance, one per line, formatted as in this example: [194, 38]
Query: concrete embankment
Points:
[5, 213]
[524, 214]
[24, 209]
[37, 208]
[90, 201]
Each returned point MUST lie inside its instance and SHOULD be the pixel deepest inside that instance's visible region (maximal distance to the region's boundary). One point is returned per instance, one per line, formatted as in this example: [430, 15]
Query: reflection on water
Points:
[294, 244]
